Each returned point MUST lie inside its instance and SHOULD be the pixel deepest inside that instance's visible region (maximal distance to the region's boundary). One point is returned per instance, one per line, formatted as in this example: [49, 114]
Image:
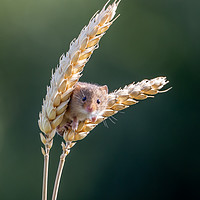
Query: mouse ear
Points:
[105, 87]
[78, 86]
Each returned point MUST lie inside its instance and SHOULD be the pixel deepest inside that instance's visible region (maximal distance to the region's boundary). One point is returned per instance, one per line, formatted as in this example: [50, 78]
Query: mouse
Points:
[88, 101]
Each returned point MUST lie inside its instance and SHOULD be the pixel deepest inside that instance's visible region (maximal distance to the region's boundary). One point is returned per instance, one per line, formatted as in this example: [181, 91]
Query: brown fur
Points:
[77, 107]
[79, 110]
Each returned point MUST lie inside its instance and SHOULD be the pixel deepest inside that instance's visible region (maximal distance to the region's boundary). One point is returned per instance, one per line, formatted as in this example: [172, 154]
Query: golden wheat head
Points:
[69, 71]
[119, 100]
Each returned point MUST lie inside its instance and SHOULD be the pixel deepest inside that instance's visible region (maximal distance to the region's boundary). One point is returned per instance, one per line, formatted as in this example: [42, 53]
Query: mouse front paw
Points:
[74, 124]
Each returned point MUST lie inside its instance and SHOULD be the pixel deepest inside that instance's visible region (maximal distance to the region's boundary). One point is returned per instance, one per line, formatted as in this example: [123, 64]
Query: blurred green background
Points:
[152, 152]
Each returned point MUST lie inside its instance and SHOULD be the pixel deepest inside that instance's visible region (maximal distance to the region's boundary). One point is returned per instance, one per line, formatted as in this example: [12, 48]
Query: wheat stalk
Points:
[48, 142]
[67, 75]
[66, 150]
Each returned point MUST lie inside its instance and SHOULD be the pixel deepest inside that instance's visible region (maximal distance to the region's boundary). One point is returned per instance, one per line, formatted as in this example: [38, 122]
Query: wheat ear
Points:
[119, 100]
[70, 67]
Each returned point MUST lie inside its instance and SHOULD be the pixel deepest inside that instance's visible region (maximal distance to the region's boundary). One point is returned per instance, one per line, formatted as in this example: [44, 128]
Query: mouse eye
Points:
[98, 101]
[84, 98]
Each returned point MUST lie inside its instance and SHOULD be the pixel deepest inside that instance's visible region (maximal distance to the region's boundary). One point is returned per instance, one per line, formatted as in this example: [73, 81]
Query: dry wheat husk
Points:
[69, 70]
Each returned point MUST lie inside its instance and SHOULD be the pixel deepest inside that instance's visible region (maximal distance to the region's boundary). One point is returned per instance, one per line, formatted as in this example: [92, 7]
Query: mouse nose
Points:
[90, 108]
[94, 119]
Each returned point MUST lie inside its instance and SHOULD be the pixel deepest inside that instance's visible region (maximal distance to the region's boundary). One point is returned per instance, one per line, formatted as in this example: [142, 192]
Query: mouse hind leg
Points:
[64, 126]
[72, 124]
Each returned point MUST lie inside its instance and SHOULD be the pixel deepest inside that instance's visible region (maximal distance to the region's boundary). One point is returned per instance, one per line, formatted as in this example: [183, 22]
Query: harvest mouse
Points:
[87, 102]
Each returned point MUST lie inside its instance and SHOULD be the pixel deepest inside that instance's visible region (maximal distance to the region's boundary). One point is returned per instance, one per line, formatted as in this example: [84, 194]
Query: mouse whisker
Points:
[105, 124]
[111, 120]
[121, 112]
[114, 118]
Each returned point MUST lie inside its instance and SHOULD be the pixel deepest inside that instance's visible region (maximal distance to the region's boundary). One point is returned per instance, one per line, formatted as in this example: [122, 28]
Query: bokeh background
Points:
[152, 152]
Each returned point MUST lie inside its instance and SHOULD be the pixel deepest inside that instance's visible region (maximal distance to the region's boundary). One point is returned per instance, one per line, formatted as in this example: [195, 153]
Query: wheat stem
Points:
[66, 150]
[45, 173]
[47, 140]
[58, 176]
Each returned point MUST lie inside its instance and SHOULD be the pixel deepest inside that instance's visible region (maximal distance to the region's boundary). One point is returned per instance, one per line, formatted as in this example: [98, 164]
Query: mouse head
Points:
[92, 99]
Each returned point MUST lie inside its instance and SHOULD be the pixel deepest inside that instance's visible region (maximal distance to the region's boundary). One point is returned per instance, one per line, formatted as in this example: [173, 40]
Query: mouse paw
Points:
[61, 130]
[74, 124]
